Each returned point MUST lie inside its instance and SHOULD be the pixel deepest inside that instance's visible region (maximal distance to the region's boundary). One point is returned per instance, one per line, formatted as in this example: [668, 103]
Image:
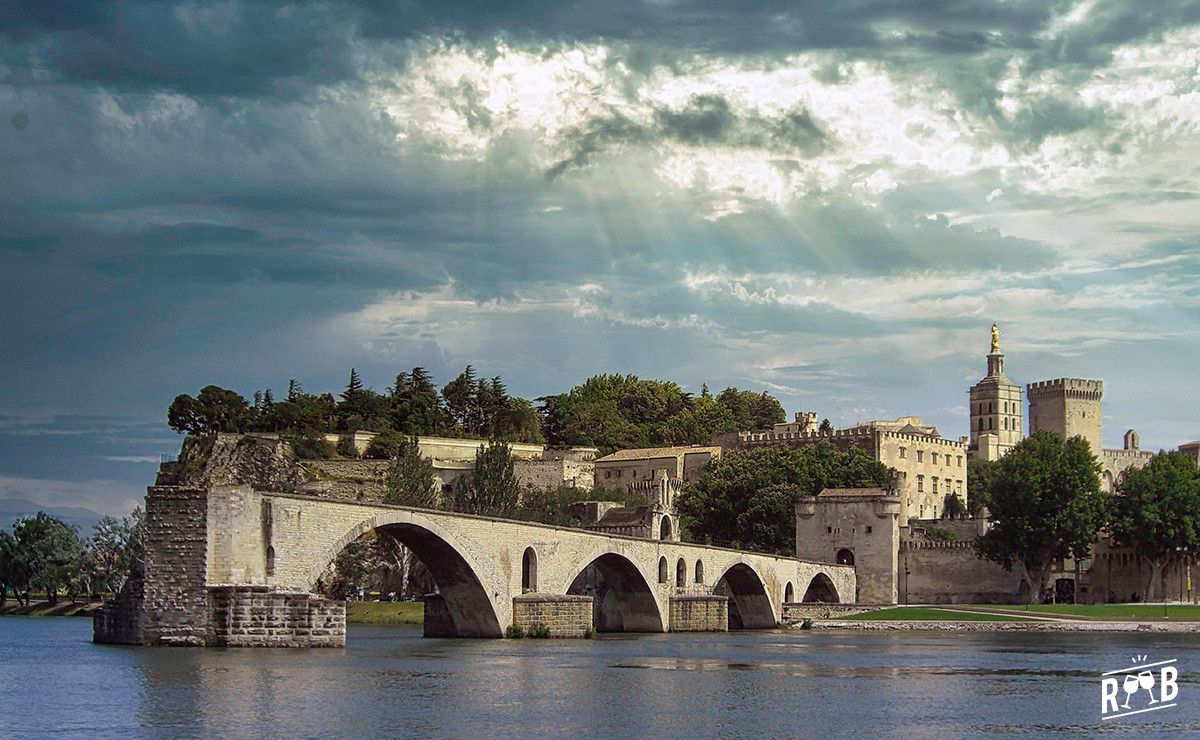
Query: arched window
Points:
[270, 560]
[789, 593]
[981, 423]
[845, 556]
[681, 573]
[662, 570]
[529, 570]
[699, 571]
[664, 529]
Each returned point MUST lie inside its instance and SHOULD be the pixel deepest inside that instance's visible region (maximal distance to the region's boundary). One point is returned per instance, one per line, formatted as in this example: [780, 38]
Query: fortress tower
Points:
[996, 409]
[1067, 406]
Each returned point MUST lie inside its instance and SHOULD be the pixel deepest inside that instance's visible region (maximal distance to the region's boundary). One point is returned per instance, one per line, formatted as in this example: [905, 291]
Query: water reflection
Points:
[390, 681]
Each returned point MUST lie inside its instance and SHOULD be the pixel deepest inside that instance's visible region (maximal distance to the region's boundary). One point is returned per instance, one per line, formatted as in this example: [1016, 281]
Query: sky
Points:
[829, 201]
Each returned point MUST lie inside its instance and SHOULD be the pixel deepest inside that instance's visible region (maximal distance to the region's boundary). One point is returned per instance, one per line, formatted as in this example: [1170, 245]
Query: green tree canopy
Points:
[1046, 505]
[747, 498]
[214, 410]
[980, 475]
[410, 479]
[1157, 512]
[51, 550]
[492, 490]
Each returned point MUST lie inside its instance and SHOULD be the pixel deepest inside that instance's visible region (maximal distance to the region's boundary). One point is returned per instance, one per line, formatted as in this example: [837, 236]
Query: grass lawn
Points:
[1180, 612]
[385, 612]
[931, 614]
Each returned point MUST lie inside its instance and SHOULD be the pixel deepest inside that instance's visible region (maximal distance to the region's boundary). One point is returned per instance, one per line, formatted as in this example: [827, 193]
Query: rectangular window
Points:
[934, 458]
[829, 530]
[920, 483]
[903, 452]
[868, 529]
[960, 461]
[920, 455]
[935, 484]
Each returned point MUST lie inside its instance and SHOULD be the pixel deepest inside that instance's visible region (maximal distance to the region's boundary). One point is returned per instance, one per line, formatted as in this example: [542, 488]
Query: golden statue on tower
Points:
[995, 338]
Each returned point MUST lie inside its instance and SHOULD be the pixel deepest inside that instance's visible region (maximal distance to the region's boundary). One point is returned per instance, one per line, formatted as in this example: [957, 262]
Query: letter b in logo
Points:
[1169, 684]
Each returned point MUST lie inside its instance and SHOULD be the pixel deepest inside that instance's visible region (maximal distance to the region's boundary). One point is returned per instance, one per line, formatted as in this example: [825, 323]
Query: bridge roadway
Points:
[231, 565]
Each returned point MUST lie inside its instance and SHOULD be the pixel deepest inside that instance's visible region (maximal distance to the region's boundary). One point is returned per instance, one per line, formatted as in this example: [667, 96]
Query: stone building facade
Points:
[853, 526]
[928, 466]
[625, 468]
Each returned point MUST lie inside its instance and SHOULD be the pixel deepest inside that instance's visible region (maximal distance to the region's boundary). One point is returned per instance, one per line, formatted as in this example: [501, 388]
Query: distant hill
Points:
[14, 508]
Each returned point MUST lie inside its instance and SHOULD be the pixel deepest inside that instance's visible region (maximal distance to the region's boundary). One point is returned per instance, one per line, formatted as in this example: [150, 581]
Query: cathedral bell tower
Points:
[996, 407]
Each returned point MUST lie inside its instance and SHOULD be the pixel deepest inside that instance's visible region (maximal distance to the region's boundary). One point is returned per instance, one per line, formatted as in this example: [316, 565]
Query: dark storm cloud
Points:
[705, 120]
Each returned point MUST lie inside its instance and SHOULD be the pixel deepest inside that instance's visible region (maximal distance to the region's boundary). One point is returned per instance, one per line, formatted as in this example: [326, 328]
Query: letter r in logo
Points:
[1108, 695]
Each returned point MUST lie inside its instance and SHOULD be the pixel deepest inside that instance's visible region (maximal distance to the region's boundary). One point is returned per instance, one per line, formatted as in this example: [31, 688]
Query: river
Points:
[390, 681]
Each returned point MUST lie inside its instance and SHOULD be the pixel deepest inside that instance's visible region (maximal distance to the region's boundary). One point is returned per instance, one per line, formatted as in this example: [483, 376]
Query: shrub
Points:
[346, 447]
[386, 446]
[538, 630]
[940, 534]
[806, 624]
[514, 630]
[312, 446]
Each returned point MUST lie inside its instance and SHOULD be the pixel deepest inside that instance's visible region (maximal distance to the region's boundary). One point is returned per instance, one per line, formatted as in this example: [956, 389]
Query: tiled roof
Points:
[854, 492]
[650, 453]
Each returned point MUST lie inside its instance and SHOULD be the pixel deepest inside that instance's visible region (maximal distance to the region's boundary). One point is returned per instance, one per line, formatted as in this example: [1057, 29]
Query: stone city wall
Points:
[950, 573]
[256, 616]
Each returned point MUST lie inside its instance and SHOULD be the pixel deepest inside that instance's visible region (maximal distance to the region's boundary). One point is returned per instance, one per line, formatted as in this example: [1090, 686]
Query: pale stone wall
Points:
[626, 467]
[1115, 462]
[865, 526]
[536, 474]
[996, 411]
[928, 467]
[1069, 407]
[254, 616]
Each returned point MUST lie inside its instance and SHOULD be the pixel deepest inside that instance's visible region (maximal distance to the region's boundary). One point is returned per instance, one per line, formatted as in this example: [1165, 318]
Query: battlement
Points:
[1067, 387]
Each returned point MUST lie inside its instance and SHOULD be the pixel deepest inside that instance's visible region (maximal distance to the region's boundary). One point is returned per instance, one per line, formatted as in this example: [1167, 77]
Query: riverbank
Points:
[1001, 626]
[385, 612]
[44, 609]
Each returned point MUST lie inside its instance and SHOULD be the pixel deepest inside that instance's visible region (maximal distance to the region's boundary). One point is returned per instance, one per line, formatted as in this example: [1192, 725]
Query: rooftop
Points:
[651, 453]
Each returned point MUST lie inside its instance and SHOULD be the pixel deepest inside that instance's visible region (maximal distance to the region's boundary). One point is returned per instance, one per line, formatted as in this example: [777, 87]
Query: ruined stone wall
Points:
[563, 615]
[175, 597]
[950, 573]
[699, 613]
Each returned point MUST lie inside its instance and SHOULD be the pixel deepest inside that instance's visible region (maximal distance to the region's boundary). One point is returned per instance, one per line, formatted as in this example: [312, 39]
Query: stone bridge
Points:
[236, 566]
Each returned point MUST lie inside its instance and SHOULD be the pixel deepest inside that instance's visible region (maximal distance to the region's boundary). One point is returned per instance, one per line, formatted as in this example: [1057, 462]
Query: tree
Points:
[459, 396]
[980, 475]
[826, 428]
[112, 542]
[1046, 505]
[52, 552]
[751, 410]
[493, 489]
[14, 569]
[416, 409]
[410, 479]
[1157, 512]
[953, 506]
[747, 498]
[214, 410]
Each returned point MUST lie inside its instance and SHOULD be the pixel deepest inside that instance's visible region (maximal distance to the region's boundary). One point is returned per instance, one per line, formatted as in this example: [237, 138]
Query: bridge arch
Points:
[469, 606]
[749, 605]
[821, 589]
[622, 598]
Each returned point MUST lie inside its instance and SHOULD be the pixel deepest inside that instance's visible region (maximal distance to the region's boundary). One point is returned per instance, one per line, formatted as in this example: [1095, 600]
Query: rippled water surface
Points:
[391, 681]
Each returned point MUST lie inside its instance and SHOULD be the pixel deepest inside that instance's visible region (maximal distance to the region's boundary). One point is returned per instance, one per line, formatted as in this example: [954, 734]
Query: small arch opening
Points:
[845, 556]
[664, 529]
[529, 570]
[270, 560]
[789, 593]
[699, 571]
[662, 570]
[680, 574]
